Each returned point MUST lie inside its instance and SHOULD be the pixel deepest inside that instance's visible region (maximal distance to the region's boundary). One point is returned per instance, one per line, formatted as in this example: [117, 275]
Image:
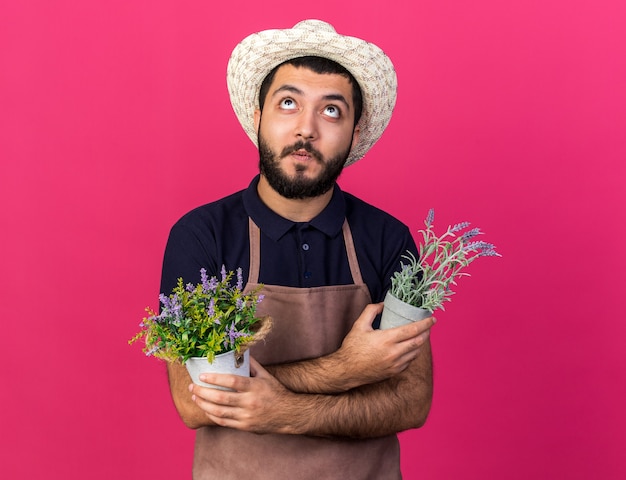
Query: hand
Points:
[257, 403]
[374, 355]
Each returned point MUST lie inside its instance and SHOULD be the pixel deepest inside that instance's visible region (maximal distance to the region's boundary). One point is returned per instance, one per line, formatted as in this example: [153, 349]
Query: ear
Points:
[355, 135]
[257, 119]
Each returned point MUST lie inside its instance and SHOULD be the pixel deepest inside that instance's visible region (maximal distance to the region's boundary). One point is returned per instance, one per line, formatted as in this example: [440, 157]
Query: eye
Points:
[332, 111]
[287, 104]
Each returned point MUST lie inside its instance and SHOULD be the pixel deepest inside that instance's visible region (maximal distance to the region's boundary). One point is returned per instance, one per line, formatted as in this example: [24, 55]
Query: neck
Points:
[294, 209]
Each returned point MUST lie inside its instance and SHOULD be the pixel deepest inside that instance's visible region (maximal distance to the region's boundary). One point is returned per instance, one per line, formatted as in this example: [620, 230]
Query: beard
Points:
[299, 187]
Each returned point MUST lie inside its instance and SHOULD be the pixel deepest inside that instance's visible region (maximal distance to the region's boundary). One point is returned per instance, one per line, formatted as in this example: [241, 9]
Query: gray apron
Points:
[307, 323]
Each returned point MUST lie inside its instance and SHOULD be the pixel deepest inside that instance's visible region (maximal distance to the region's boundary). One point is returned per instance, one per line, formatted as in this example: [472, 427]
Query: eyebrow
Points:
[293, 89]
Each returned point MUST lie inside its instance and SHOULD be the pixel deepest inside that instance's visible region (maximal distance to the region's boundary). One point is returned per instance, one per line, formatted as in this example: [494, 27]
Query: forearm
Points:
[366, 356]
[374, 410]
[179, 380]
[324, 375]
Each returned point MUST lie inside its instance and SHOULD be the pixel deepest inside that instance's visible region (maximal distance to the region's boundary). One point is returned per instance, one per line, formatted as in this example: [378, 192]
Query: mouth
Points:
[302, 154]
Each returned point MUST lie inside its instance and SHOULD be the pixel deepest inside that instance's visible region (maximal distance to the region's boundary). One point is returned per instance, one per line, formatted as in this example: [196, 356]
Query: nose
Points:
[306, 127]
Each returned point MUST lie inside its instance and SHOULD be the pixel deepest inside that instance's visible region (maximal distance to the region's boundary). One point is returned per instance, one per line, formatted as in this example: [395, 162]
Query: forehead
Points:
[311, 83]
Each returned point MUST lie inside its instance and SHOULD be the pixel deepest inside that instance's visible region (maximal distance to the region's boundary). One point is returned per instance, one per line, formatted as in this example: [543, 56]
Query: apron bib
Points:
[307, 323]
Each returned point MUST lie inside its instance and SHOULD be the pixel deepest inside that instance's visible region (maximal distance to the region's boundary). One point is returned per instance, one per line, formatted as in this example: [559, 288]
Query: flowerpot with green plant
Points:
[208, 327]
[425, 282]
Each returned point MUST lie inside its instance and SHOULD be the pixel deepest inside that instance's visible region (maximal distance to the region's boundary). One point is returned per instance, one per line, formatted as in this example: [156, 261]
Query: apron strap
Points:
[255, 252]
[355, 270]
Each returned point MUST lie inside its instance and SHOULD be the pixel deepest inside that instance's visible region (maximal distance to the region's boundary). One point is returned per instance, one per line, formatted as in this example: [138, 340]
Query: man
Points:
[328, 392]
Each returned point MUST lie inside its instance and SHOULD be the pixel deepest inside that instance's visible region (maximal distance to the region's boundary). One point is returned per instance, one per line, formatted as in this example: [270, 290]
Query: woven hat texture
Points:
[255, 57]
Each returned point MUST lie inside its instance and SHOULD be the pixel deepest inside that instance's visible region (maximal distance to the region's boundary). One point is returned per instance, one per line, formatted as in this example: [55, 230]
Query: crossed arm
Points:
[377, 383]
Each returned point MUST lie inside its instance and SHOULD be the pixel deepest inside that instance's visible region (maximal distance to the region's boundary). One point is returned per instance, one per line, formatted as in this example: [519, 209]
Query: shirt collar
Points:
[329, 221]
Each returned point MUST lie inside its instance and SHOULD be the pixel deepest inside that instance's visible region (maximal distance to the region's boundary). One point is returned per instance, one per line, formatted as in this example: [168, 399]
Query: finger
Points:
[232, 382]
[404, 361]
[426, 324]
[411, 330]
[408, 345]
[420, 341]
[412, 350]
[223, 419]
[367, 316]
[225, 416]
[214, 395]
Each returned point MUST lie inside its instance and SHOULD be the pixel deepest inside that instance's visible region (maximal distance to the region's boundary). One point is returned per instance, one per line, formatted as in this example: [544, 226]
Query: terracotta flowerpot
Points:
[222, 363]
[397, 313]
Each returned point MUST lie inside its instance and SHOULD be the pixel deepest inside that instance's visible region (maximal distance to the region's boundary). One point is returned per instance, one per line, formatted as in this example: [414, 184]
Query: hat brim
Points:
[255, 57]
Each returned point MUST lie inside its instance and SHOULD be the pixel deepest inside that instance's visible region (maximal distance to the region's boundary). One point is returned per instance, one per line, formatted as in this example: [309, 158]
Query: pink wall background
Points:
[115, 120]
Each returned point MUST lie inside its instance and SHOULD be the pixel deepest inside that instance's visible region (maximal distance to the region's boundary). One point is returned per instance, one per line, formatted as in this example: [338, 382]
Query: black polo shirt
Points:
[293, 254]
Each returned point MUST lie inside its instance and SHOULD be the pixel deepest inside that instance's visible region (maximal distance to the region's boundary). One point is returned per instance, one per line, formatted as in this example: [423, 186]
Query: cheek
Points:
[274, 132]
[339, 139]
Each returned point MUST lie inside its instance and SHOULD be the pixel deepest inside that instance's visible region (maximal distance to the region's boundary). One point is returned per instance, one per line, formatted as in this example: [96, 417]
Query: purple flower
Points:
[211, 308]
[190, 287]
[208, 284]
[460, 226]
[240, 303]
[172, 307]
[152, 351]
[223, 273]
[470, 234]
[475, 246]
[232, 335]
[239, 279]
[431, 217]
[204, 278]
[260, 298]
[175, 305]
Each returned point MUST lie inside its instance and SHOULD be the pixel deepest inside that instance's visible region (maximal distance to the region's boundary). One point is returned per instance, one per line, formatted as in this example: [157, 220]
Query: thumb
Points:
[256, 369]
[364, 322]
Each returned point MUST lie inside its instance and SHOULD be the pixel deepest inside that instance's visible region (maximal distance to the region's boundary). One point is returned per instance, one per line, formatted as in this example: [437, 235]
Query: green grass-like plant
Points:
[426, 281]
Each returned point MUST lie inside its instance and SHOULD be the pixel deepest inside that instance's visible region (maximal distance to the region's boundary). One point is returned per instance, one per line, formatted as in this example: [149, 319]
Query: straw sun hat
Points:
[254, 58]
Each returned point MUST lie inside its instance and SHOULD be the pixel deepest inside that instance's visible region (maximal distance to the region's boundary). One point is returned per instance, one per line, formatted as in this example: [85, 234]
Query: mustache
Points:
[300, 145]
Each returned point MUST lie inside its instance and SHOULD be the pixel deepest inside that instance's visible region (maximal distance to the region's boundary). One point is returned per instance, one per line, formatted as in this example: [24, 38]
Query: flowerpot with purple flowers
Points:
[425, 282]
[208, 327]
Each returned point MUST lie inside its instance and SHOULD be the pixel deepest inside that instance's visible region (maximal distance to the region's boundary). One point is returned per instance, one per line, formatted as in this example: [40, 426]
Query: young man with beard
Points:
[328, 392]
